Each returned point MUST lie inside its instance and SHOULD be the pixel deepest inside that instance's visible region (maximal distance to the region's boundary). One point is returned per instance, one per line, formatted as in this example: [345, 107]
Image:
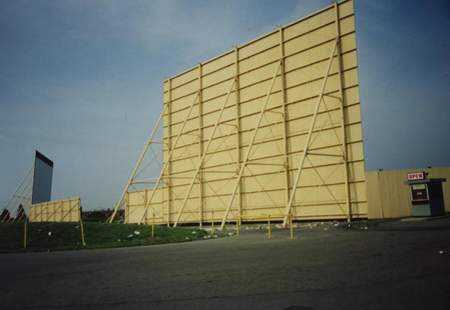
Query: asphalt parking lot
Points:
[389, 265]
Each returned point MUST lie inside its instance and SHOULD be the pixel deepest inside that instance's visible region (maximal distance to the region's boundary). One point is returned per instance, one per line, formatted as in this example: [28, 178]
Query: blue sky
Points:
[81, 80]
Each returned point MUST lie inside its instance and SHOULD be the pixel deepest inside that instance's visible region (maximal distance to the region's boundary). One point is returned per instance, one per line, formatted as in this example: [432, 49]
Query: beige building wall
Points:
[193, 100]
[390, 197]
[64, 210]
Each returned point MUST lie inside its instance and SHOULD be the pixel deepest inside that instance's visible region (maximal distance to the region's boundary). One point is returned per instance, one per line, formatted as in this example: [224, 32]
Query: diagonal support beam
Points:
[199, 167]
[169, 156]
[138, 163]
[246, 157]
[308, 137]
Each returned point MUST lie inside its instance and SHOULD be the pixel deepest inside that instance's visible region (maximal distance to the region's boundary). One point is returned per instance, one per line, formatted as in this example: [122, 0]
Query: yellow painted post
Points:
[83, 241]
[291, 227]
[269, 228]
[25, 234]
[153, 225]
[212, 223]
[145, 203]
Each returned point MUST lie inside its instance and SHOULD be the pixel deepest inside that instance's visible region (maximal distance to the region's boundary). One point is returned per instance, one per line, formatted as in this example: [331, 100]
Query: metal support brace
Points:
[238, 128]
[276, 112]
[325, 154]
[264, 164]
[343, 133]
[138, 163]
[199, 167]
[285, 118]
[246, 157]
[169, 156]
[308, 138]
[331, 96]
[200, 142]
[169, 148]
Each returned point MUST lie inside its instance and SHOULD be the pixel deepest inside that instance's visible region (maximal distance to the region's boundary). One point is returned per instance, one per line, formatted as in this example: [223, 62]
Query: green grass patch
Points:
[67, 236]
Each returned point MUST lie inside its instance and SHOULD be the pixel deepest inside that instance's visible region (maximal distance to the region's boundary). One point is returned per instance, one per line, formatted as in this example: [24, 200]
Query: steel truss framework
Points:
[244, 162]
[20, 201]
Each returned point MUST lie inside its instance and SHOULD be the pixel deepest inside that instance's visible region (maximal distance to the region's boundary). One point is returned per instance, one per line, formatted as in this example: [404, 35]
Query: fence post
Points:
[269, 228]
[153, 225]
[25, 234]
[237, 227]
[83, 241]
[291, 227]
[212, 223]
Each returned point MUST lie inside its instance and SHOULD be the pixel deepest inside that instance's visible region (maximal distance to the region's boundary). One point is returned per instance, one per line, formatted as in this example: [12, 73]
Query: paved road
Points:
[394, 265]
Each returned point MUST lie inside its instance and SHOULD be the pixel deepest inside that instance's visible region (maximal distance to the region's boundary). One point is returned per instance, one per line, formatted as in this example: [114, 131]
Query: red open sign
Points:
[416, 176]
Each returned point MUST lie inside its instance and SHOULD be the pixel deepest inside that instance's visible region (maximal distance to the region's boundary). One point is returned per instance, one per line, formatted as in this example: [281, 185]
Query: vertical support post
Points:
[238, 129]
[269, 228]
[25, 233]
[153, 225]
[126, 220]
[200, 141]
[83, 241]
[145, 203]
[169, 148]
[212, 223]
[284, 115]
[291, 227]
[238, 226]
[308, 138]
[342, 112]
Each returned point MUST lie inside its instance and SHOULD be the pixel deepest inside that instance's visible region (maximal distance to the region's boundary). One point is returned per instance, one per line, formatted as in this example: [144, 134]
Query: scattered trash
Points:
[442, 252]
[187, 238]
[207, 237]
[118, 240]
[214, 236]
[326, 228]
[230, 234]
[49, 233]
[137, 232]
[194, 232]
[76, 227]
[130, 236]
